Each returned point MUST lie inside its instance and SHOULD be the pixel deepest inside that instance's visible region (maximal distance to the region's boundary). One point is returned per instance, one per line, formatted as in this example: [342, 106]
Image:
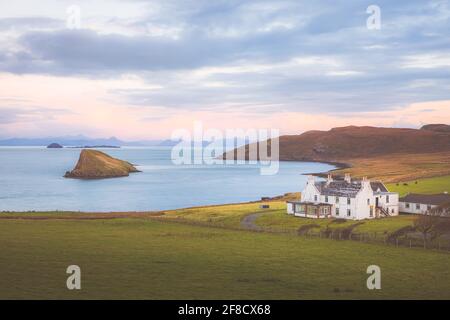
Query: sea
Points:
[31, 179]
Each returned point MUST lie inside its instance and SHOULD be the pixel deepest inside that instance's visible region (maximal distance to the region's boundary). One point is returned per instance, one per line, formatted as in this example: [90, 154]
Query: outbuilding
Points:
[425, 203]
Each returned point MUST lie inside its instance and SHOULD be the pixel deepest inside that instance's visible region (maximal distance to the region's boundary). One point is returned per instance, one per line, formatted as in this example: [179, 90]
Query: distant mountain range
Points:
[81, 140]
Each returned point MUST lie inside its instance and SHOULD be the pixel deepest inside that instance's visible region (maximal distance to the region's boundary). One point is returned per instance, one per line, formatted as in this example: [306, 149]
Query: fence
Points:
[382, 238]
[337, 235]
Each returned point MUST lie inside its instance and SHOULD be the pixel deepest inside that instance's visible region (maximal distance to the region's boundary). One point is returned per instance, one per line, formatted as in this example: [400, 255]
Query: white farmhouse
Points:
[346, 199]
[425, 203]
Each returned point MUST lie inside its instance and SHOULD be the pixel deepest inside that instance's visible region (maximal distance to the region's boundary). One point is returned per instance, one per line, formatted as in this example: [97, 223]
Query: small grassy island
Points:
[94, 164]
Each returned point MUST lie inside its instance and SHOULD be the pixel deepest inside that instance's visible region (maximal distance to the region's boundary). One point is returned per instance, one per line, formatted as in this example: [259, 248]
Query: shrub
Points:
[400, 232]
[347, 231]
[305, 229]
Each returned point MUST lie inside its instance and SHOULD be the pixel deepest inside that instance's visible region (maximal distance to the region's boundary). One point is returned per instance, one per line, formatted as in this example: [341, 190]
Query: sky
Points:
[139, 69]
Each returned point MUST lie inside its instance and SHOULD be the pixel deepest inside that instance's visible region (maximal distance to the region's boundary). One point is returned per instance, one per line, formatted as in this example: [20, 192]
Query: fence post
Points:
[410, 243]
[340, 235]
[396, 242]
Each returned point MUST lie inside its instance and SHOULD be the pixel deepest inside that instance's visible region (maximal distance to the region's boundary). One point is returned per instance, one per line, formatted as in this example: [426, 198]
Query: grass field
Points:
[203, 253]
[139, 258]
[278, 219]
[400, 167]
[428, 186]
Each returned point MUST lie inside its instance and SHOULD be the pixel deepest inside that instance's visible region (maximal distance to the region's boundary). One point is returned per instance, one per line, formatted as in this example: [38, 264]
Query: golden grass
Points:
[400, 167]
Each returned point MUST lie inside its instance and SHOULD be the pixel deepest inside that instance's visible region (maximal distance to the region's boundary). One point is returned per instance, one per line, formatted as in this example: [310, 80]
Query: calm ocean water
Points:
[31, 179]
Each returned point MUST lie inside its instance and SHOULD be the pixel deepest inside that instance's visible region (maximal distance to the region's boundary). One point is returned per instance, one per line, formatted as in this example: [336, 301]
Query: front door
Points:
[376, 202]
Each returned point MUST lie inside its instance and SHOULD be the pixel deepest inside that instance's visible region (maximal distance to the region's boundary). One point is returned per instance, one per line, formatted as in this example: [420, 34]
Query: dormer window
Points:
[315, 198]
[337, 199]
[348, 200]
[326, 198]
[387, 199]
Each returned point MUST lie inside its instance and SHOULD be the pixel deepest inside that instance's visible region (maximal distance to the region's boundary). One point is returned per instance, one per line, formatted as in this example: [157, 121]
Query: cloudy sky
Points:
[140, 69]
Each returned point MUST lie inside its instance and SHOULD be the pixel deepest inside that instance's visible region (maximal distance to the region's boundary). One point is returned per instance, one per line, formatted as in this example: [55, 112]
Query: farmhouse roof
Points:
[342, 188]
[433, 199]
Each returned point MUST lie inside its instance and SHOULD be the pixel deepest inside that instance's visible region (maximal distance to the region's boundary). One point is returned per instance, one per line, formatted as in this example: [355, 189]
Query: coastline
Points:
[338, 166]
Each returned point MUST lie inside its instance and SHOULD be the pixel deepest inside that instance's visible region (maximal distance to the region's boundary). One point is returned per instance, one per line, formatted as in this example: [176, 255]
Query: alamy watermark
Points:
[74, 280]
[73, 21]
[374, 280]
[215, 147]
[373, 22]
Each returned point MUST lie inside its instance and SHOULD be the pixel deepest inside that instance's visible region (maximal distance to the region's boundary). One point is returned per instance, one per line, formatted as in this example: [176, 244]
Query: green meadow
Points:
[427, 186]
[276, 219]
[142, 258]
[207, 253]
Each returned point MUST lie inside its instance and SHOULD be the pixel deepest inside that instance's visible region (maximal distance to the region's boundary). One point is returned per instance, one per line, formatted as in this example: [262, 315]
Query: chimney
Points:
[311, 179]
[365, 183]
[347, 178]
[329, 179]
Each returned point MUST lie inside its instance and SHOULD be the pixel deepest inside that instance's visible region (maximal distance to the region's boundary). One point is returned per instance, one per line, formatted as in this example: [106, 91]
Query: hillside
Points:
[360, 142]
[437, 127]
[360, 146]
[148, 258]
[94, 164]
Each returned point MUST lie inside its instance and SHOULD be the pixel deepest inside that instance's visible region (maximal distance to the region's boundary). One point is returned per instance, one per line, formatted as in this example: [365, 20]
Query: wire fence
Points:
[405, 240]
[410, 241]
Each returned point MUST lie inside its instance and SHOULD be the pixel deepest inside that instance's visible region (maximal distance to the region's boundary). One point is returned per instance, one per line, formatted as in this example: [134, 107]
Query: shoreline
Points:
[338, 165]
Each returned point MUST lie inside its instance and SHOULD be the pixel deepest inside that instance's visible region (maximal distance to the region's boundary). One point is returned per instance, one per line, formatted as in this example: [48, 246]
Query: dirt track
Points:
[249, 221]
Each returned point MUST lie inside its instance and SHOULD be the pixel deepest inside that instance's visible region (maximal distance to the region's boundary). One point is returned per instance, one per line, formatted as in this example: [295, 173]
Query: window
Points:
[407, 205]
[392, 211]
[326, 198]
[337, 199]
[315, 198]
[428, 207]
[387, 199]
[368, 201]
[418, 206]
[337, 211]
[349, 213]
[348, 200]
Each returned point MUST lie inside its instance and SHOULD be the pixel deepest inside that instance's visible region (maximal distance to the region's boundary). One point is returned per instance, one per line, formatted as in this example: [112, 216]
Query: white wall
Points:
[290, 208]
[362, 206]
[359, 207]
[423, 208]
[392, 206]
[310, 191]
